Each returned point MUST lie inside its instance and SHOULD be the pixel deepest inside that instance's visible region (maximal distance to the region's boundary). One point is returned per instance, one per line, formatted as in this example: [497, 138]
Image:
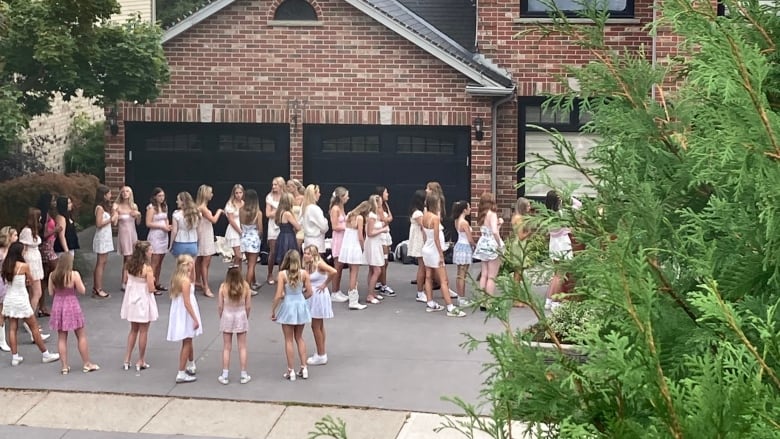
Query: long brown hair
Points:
[237, 287]
[33, 221]
[292, 263]
[158, 208]
[189, 209]
[251, 208]
[337, 198]
[63, 272]
[100, 197]
[13, 256]
[487, 202]
[285, 205]
[135, 265]
[435, 187]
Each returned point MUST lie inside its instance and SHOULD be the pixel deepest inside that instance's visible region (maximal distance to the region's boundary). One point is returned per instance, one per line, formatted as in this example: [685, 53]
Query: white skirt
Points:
[33, 258]
[273, 230]
[373, 253]
[320, 305]
[351, 253]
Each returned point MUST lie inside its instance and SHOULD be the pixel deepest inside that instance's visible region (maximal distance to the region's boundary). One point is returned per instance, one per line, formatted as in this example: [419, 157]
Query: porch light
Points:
[113, 125]
[479, 126]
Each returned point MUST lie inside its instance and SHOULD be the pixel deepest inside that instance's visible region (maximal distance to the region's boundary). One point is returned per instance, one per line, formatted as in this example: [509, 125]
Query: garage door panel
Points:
[402, 158]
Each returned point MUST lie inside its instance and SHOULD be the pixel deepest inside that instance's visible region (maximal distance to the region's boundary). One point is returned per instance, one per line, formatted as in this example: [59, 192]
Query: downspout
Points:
[494, 141]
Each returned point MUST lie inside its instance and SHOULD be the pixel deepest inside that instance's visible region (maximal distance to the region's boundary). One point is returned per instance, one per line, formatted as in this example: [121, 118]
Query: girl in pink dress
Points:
[338, 217]
[234, 306]
[49, 231]
[103, 241]
[206, 246]
[66, 314]
[272, 231]
[159, 227]
[233, 231]
[30, 237]
[139, 306]
[128, 217]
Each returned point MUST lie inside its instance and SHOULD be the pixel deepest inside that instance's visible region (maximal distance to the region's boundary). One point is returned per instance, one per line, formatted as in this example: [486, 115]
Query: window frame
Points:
[628, 12]
[298, 3]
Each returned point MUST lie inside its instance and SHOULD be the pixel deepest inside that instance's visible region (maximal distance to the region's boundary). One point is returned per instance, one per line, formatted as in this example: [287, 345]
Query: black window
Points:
[351, 144]
[573, 8]
[295, 10]
[425, 145]
[175, 142]
[241, 143]
[563, 120]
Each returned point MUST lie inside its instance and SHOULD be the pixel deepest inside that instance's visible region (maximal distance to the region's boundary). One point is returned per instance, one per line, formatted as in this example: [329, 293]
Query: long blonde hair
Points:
[337, 198]
[130, 200]
[235, 283]
[285, 205]
[314, 253]
[5, 236]
[374, 203]
[203, 192]
[361, 209]
[63, 272]
[189, 209]
[309, 197]
[292, 263]
[180, 274]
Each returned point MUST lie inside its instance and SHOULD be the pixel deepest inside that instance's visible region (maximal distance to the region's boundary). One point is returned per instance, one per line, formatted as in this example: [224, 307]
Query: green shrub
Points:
[86, 151]
[19, 194]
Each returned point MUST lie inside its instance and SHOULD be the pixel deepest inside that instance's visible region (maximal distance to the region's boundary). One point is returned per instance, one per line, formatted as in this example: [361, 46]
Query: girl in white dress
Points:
[103, 242]
[184, 319]
[385, 217]
[433, 258]
[206, 246]
[30, 237]
[8, 236]
[372, 248]
[352, 250]
[414, 247]
[338, 217]
[313, 220]
[233, 231]
[321, 274]
[272, 232]
[16, 305]
[490, 244]
[156, 220]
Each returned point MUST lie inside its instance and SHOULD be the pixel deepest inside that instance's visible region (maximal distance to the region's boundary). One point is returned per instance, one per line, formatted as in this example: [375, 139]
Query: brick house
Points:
[357, 93]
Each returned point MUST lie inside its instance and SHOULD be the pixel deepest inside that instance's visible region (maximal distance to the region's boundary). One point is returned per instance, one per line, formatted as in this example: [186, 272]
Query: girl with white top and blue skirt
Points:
[490, 244]
[185, 228]
[290, 309]
[462, 252]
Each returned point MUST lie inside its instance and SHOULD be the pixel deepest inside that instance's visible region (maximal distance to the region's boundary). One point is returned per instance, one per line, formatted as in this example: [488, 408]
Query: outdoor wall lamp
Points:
[479, 126]
[113, 124]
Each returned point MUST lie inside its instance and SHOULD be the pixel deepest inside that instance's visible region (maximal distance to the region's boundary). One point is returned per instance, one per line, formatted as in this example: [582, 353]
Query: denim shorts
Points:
[185, 248]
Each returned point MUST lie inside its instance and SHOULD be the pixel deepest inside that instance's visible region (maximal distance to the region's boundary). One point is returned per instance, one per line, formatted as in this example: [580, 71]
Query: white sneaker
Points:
[245, 379]
[338, 297]
[317, 360]
[378, 286]
[548, 303]
[44, 337]
[455, 312]
[48, 357]
[191, 369]
[222, 380]
[433, 308]
[16, 360]
[304, 373]
[254, 292]
[453, 295]
[463, 302]
[421, 298]
[387, 291]
[184, 378]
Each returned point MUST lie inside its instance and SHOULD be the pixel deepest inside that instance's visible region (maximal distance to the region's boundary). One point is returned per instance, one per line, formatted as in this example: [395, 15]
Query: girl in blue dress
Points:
[291, 310]
[288, 225]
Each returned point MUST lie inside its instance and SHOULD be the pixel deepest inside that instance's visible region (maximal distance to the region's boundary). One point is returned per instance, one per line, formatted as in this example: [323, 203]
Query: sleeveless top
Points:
[71, 237]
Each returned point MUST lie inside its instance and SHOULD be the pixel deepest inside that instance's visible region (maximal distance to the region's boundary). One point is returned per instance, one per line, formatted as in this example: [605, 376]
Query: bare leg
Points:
[12, 327]
[185, 353]
[97, 276]
[132, 336]
[143, 335]
[81, 336]
[62, 346]
[204, 275]
[445, 284]
[199, 271]
[227, 346]
[124, 271]
[157, 261]
[251, 263]
[32, 322]
[483, 277]
[237, 255]
[492, 272]
[337, 277]
[383, 274]
[289, 335]
[298, 332]
[35, 294]
[428, 284]
[460, 282]
[242, 356]
[318, 330]
[354, 269]
[420, 273]
[373, 276]
[271, 260]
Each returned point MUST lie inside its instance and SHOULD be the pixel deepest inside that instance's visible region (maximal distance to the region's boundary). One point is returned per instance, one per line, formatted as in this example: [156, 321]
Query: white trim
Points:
[192, 20]
[426, 45]
[549, 20]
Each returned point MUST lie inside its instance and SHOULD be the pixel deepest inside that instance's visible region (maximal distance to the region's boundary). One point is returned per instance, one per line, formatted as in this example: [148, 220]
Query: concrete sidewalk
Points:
[49, 415]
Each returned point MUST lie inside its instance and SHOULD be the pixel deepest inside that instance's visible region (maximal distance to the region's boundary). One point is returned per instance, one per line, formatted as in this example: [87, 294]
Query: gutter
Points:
[477, 90]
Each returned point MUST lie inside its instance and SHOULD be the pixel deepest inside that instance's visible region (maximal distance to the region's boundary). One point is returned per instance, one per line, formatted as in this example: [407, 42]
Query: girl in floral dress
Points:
[66, 314]
[490, 244]
[206, 246]
[159, 227]
[251, 234]
[30, 237]
[233, 231]
[462, 253]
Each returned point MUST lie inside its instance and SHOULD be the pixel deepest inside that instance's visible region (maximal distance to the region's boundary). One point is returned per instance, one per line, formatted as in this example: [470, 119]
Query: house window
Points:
[292, 10]
[574, 8]
[425, 145]
[175, 142]
[368, 144]
[241, 143]
[563, 120]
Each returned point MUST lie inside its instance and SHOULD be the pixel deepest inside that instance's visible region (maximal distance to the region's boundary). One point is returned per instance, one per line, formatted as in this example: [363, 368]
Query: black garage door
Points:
[182, 156]
[402, 158]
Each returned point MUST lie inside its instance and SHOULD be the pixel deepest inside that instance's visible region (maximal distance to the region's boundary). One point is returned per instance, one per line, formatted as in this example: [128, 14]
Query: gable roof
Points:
[456, 18]
[401, 20]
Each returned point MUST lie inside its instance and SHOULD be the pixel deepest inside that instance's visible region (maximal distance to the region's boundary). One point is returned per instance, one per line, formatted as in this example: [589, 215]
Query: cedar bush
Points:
[17, 195]
[681, 258]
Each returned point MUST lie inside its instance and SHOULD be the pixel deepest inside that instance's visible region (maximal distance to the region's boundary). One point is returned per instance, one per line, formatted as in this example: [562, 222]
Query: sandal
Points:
[91, 367]
[160, 288]
[42, 313]
[100, 294]
[65, 370]
[271, 282]
[141, 366]
[290, 375]
[208, 293]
